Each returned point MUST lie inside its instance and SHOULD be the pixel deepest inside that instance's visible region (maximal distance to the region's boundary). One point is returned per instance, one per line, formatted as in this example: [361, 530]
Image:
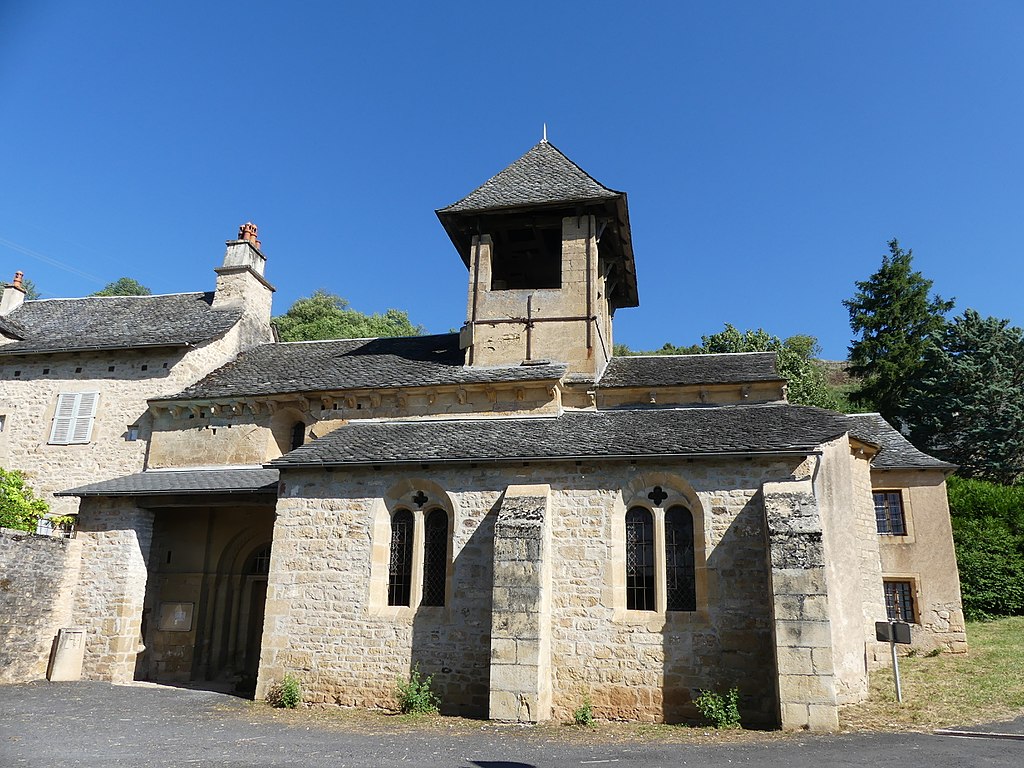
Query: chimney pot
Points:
[248, 231]
[18, 279]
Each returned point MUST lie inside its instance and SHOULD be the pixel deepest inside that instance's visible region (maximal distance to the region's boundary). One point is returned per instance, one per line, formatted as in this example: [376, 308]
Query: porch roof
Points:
[189, 480]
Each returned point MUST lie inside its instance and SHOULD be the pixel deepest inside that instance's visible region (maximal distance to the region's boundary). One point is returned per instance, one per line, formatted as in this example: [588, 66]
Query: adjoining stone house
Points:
[513, 510]
[75, 379]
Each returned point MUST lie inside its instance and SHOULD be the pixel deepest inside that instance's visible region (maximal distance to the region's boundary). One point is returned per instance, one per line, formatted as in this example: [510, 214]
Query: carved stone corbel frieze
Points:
[704, 394]
[652, 396]
[326, 403]
[492, 394]
[402, 399]
[255, 407]
[592, 396]
[195, 410]
[745, 392]
[214, 409]
[375, 400]
[461, 395]
[272, 406]
[175, 411]
[520, 393]
[350, 401]
[432, 397]
[236, 408]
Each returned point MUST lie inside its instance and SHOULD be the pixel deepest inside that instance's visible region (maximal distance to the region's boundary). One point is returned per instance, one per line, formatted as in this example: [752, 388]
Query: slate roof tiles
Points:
[117, 322]
[186, 481]
[321, 366]
[682, 370]
[542, 176]
[896, 451]
[576, 434]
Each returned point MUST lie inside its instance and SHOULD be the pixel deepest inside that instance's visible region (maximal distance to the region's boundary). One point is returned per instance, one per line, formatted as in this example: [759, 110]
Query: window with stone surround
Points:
[400, 561]
[660, 554]
[412, 553]
[899, 600]
[889, 516]
[73, 418]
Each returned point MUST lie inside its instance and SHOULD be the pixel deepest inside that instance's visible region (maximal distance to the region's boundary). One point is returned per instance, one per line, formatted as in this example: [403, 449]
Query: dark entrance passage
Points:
[206, 596]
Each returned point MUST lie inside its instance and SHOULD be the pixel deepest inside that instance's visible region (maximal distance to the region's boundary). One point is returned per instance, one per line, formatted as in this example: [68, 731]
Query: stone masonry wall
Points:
[115, 536]
[323, 625]
[801, 612]
[28, 395]
[37, 576]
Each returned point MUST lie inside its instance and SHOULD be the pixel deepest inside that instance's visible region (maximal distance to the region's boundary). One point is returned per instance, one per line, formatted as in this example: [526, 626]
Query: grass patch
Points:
[984, 685]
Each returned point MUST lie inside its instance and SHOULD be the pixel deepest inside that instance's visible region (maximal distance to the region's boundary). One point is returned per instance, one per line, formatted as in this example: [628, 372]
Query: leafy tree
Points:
[124, 286]
[988, 530]
[966, 403]
[19, 508]
[892, 315]
[328, 316]
[796, 362]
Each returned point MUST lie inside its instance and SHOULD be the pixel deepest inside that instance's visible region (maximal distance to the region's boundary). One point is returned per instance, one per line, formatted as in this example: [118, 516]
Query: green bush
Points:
[720, 711]
[414, 695]
[19, 508]
[584, 714]
[287, 694]
[988, 530]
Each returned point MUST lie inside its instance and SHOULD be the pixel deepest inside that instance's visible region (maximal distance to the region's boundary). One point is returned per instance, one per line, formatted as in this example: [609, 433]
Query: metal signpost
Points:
[893, 632]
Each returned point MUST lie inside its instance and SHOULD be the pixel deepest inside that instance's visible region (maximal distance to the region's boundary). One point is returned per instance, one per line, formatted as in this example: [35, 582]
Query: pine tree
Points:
[893, 314]
[967, 402]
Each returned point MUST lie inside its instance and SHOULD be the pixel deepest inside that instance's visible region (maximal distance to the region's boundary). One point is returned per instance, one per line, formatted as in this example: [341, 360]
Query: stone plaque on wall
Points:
[176, 617]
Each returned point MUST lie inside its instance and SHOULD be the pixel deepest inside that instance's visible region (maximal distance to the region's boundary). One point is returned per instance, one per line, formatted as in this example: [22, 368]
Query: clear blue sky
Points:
[769, 150]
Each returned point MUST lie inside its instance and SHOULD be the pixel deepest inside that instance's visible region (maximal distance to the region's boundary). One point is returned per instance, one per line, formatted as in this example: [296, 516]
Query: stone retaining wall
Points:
[37, 574]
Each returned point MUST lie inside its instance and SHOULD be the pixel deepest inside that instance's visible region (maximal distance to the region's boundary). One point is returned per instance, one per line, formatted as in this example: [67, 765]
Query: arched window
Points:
[260, 565]
[680, 583]
[640, 560]
[400, 562]
[298, 434]
[435, 557]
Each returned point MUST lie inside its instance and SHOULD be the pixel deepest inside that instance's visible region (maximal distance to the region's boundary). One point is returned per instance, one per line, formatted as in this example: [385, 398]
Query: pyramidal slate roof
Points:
[542, 176]
[623, 434]
[116, 322]
[323, 366]
[896, 451]
[684, 370]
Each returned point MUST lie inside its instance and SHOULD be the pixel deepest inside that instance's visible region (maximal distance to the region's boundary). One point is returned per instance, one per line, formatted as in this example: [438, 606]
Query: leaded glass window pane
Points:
[899, 600]
[889, 513]
[639, 560]
[680, 590]
[400, 564]
[435, 557]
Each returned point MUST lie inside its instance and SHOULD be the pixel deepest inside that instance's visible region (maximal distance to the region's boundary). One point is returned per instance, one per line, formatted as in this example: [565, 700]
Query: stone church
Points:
[510, 508]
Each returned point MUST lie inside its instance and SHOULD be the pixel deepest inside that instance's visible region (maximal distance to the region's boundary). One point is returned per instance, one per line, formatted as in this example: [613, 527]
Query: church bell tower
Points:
[550, 259]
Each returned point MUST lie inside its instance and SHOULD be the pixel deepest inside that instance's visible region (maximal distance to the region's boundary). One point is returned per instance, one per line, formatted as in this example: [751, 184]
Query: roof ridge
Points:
[358, 338]
[141, 296]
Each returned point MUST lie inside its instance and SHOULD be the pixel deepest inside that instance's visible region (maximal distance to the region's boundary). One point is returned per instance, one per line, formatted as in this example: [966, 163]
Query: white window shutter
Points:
[74, 417]
[81, 430]
[63, 416]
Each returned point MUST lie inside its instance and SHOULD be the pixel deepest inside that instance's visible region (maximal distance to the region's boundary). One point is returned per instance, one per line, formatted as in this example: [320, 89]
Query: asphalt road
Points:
[54, 725]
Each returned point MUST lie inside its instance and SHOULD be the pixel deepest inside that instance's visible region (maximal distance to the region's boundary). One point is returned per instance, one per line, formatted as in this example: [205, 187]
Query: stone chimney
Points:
[14, 294]
[240, 282]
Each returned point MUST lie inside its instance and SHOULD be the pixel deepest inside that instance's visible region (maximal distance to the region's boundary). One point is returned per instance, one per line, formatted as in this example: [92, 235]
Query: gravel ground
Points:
[97, 724]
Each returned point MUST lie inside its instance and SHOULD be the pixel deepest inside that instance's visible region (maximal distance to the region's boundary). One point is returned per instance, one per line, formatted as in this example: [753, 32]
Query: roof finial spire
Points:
[544, 138]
